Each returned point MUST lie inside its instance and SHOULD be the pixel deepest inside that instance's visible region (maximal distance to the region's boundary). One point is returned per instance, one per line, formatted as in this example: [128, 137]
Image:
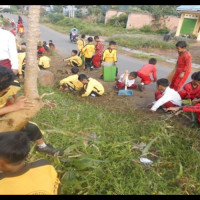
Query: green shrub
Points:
[138, 43]
[146, 29]
[119, 21]
[163, 31]
[55, 17]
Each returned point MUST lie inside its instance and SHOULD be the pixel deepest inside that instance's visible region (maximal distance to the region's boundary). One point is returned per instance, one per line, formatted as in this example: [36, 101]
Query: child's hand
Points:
[195, 101]
[115, 63]
[150, 105]
[22, 103]
[126, 72]
[173, 109]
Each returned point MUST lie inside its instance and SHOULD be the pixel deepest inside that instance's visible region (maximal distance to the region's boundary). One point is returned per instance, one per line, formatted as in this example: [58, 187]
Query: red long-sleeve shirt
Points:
[189, 92]
[184, 61]
[148, 69]
[195, 108]
[99, 48]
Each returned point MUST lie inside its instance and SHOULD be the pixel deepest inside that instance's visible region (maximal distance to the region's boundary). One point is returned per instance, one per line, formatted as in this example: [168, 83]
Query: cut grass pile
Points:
[108, 165]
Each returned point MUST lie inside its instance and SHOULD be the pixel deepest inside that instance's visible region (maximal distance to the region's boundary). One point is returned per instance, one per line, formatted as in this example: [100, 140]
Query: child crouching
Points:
[127, 79]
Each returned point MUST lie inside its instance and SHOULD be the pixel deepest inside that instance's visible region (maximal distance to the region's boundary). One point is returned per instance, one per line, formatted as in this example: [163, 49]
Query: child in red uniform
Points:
[183, 66]
[121, 83]
[145, 72]
[99, 48]
[191, 90]
[195, 101]
[51, 44]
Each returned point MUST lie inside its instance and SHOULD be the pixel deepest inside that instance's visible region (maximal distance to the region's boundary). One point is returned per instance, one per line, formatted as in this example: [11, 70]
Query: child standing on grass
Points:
[9, 103]
[183, 66]
[110, 55]
[71, 82]
[145, 72]
[88, 51]
[74, 60]
[43, 61]
[165, 96]
[18, 177]
[91, 86]
[127, 79]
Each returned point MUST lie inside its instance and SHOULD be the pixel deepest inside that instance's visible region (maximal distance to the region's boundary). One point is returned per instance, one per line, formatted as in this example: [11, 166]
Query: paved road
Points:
[64, 47]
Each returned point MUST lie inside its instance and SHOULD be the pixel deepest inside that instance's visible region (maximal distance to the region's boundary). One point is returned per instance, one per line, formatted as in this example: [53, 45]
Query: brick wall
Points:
[138, 20]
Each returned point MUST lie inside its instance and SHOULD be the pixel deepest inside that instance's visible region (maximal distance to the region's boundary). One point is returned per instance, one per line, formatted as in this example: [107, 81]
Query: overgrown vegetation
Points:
[62, 23]
[140, 42]
[108, 165]
[145, 56]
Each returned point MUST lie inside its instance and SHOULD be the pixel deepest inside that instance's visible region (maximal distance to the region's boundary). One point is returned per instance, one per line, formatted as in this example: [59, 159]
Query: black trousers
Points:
[32, 131]
[88, 63]
[74, 64]
[94, 93]
[41, 67]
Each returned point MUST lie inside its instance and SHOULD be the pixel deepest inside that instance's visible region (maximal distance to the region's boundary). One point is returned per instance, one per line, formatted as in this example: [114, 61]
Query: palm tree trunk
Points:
[17, 120]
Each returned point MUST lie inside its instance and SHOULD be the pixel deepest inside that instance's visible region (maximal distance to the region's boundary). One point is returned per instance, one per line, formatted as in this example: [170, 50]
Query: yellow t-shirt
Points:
[35, 178]
[88, 50]
[44, 61]
[13, 89]
[81, 44]
[72, 81]
[93, 85]
[110, 56]
[75, 59]
[21, 57]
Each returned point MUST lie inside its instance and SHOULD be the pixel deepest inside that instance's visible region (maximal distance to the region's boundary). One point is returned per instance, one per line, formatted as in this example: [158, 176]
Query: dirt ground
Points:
[110, 99]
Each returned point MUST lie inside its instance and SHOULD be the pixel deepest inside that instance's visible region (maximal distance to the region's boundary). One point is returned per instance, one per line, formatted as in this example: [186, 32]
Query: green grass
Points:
[145, 56]
[63, 24]
[140, 42]
[108, 165]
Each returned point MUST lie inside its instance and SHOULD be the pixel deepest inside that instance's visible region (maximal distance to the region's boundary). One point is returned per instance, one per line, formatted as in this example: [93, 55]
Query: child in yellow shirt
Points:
[71, 82]
[110, 55]
[81, 43]
[74, 60]
[43, 61]
[88, 52]
[91, 86]
[18, 177]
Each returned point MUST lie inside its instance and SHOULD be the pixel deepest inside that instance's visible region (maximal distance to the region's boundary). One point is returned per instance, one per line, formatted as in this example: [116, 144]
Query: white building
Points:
[2, 7]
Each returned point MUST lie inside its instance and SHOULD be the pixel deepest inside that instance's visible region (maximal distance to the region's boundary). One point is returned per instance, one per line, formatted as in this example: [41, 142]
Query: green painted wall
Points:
[188, 26]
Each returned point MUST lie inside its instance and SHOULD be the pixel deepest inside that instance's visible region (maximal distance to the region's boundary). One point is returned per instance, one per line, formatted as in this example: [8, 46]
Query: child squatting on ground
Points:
[145, 72]
[165, 96]
[128, 80]
[196, 101]
[43, 61]
[74, 60]
[91, 86]
[71, 82]
[18, 177]
[191, 90]
[9, 103]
